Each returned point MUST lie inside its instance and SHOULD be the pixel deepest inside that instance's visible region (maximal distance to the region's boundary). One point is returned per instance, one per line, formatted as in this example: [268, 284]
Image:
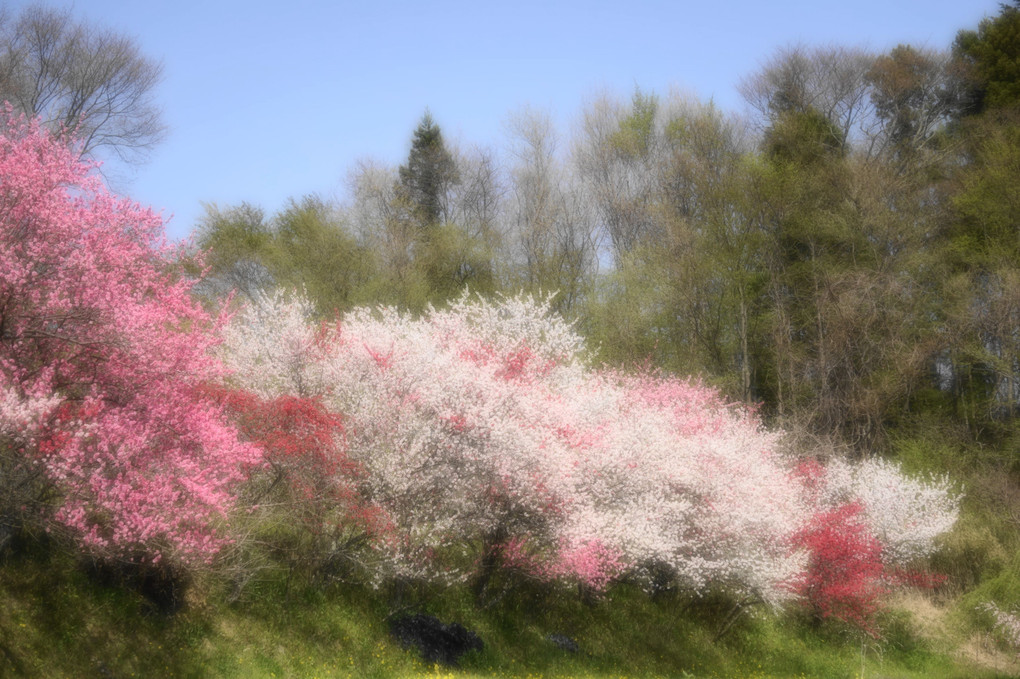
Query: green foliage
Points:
[1003, 588]
[986, 202]
[452, 261]
[312, 249]
[993, 50]
[306, 246]
[635, 137]
[968, 554]
[235, 241]
[985, 543]
[803, 138]
[626, 317]
[981, 288]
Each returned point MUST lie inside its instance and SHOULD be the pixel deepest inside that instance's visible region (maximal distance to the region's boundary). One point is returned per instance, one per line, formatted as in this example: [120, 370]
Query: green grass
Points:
[58, 621]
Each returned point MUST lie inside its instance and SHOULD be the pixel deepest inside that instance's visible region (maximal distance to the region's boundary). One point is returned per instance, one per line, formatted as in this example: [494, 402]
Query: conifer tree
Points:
[428, 175]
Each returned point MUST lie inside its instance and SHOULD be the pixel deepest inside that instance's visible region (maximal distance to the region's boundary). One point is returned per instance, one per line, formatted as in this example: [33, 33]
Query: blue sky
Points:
[267, 101]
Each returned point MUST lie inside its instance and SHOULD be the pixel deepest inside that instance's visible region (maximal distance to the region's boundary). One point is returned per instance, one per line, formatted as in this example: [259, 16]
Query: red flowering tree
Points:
[102, 429]
[308, 491]
[870, 530]
[844, 577]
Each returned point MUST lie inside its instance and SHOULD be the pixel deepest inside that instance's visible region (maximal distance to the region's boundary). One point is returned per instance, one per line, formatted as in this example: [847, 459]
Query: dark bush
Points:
[162, 585]
[437, 641]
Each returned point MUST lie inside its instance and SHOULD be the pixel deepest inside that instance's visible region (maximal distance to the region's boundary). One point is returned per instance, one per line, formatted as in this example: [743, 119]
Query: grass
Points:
[58, 621]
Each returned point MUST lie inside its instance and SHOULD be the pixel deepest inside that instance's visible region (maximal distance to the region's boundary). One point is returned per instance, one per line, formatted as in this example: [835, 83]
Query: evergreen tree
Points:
[428, 175]
[993, 51]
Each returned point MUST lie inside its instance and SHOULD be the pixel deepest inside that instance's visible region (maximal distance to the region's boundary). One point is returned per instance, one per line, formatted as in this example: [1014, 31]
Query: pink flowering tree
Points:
[705, 491]
[102, 429]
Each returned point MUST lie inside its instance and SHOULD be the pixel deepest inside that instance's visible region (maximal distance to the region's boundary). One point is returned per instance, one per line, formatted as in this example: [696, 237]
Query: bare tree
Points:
[477, 199]
[832, 81]
[615, 154]
[380, 219]
[76, 76]
[550, 218]
[916, 92]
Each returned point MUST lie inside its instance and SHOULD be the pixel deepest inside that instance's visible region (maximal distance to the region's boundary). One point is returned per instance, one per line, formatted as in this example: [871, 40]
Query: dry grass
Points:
[933, 622]
[929, 618]
[981, 651]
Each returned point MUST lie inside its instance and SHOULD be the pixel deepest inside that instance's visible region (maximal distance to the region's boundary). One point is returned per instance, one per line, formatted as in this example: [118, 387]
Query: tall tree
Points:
[848, 310]
[616, 157]
[993, 51]
[689, 294]
[554, 240]
[381, 223]
[76, 76]
[305, 246]
[826, 81]
[430, 172]
[478, 199]
[981, 285]
[915, 92]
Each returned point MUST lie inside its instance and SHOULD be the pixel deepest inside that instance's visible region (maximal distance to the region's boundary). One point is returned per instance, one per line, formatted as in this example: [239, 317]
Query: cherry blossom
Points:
[481, 426]
[102, 348]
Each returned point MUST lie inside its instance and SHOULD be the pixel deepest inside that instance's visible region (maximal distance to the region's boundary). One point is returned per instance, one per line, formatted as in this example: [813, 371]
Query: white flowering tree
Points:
[488, 440]
[906, 515]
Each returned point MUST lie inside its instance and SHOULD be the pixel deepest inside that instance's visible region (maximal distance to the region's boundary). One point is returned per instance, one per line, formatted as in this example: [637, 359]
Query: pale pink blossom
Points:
[484, 421]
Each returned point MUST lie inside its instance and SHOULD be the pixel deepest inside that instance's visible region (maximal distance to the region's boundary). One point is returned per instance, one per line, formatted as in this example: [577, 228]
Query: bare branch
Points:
[77, 77]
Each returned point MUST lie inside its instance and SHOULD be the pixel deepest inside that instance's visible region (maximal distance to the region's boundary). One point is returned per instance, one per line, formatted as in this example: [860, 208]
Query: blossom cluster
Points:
[844, 577]
[1008, 624]
[481, 426]
[906, 515]
[101, 350]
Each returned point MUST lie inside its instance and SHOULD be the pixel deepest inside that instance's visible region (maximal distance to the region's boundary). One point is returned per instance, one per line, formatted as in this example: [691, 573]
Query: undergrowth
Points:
[58, 619]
